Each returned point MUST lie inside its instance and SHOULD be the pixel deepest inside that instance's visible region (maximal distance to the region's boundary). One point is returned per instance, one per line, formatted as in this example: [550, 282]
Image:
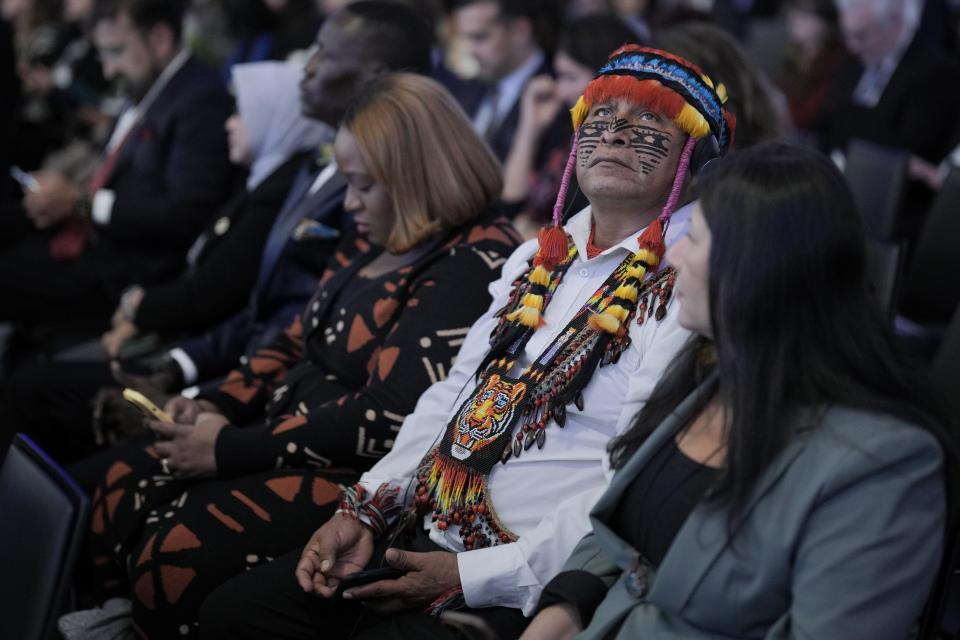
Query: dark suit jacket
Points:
[470, 95]
[918, 109]
[840, 537]
[169, 179]
[219, 282]
[289, 272]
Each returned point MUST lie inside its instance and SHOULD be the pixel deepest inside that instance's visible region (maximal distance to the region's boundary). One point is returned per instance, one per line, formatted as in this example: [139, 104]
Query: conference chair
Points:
[43, 519]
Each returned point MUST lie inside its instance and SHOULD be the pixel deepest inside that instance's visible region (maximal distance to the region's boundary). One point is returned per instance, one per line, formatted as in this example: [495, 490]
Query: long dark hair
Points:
[794, 321]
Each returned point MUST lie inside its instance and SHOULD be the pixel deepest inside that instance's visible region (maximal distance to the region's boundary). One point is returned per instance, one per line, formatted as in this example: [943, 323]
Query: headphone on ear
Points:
[704, 152]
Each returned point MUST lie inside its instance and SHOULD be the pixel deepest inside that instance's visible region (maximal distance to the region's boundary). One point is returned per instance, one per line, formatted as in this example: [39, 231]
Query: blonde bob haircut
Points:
[421, 148]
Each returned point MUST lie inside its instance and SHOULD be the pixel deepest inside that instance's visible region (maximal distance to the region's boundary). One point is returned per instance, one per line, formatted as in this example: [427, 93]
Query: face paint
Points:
[627, 150]
[650, 144]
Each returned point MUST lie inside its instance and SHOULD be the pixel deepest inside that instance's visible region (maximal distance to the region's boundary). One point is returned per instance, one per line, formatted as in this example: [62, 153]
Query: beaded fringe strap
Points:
[452, 485]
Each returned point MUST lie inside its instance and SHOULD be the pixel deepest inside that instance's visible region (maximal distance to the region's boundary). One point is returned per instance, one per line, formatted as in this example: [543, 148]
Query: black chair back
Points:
[878, 177]
[931, 288]
[43, 520]
[884, 271]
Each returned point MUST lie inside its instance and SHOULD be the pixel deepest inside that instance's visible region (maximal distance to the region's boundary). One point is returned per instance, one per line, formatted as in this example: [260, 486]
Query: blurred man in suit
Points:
[162, 173]
[895, 88]
[503, 36]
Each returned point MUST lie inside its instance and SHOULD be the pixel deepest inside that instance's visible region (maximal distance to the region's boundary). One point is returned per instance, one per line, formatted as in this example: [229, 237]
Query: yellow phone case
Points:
[146, 407]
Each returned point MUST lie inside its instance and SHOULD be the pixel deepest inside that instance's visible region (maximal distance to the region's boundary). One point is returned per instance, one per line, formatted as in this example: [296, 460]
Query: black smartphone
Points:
[367, 576]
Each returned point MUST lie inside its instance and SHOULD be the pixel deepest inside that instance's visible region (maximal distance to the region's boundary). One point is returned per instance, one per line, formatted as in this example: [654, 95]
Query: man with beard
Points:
[162, 173]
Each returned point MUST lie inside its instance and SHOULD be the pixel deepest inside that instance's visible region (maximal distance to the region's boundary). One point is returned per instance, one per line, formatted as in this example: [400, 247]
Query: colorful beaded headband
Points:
[666, 83]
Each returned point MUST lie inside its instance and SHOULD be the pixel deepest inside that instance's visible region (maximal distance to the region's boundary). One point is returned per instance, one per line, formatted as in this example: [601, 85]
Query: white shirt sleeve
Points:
[513, 575]
[101, 206]
[187, 366]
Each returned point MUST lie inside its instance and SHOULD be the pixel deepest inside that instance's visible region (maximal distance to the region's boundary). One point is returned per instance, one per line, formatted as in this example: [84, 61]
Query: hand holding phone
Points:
[366, 577]
[145, 406]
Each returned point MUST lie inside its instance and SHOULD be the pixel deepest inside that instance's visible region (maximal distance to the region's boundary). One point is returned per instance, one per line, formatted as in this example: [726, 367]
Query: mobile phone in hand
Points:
[146, 407]
[367, 576]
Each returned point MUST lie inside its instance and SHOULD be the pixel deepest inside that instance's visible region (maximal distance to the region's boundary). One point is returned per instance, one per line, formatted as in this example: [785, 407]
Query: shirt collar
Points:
[511, 86]
[579, 229]
[162, 81]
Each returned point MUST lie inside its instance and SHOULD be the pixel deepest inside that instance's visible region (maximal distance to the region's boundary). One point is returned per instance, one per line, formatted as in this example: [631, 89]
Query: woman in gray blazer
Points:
[785, 479]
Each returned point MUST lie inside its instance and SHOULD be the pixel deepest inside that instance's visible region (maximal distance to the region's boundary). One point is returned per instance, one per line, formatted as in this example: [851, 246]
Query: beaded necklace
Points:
[451, 481]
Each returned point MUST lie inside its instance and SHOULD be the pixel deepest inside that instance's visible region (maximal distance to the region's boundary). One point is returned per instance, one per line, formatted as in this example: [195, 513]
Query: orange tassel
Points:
[652, 240]
[553, 246]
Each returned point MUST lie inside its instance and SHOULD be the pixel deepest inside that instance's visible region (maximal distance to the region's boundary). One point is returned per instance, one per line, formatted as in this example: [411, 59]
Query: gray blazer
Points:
[841, 538]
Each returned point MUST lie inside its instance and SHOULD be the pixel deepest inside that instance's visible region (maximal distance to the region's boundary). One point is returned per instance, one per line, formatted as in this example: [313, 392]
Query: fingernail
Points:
[324, 565]
[347, 595]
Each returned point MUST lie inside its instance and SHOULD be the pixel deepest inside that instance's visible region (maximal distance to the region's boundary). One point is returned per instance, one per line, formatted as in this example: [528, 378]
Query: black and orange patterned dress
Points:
[308, 414]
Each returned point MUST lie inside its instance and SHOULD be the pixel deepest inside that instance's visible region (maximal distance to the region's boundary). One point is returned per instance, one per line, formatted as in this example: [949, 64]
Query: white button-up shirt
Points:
[544, 496]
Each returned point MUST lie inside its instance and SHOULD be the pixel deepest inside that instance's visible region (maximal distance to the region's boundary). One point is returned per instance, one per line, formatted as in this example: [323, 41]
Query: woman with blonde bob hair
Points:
[419, 144]
[332, 391]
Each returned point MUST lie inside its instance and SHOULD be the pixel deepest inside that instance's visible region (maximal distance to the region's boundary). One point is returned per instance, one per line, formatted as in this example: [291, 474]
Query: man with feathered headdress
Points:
[486, 492]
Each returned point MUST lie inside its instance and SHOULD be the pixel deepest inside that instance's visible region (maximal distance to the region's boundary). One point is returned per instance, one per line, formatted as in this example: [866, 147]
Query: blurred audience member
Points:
[502, 37]
[268, 29]
[584, 46]
[364, 38]
[9, 87]
[266, 135]
[164, 170]
[894, 88]
[65, 87]
[634, 13]
[38, 40]
[758, 107]
[813, 52]
[50, 399]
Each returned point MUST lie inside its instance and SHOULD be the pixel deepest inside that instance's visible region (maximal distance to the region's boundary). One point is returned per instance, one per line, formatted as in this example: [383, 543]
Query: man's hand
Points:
[114, 418]
[556, 622]
[113, 339]
[189, 449]
[429, 575]
[54, 200]
[183, 410]
[341, 546]
[539, 104]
